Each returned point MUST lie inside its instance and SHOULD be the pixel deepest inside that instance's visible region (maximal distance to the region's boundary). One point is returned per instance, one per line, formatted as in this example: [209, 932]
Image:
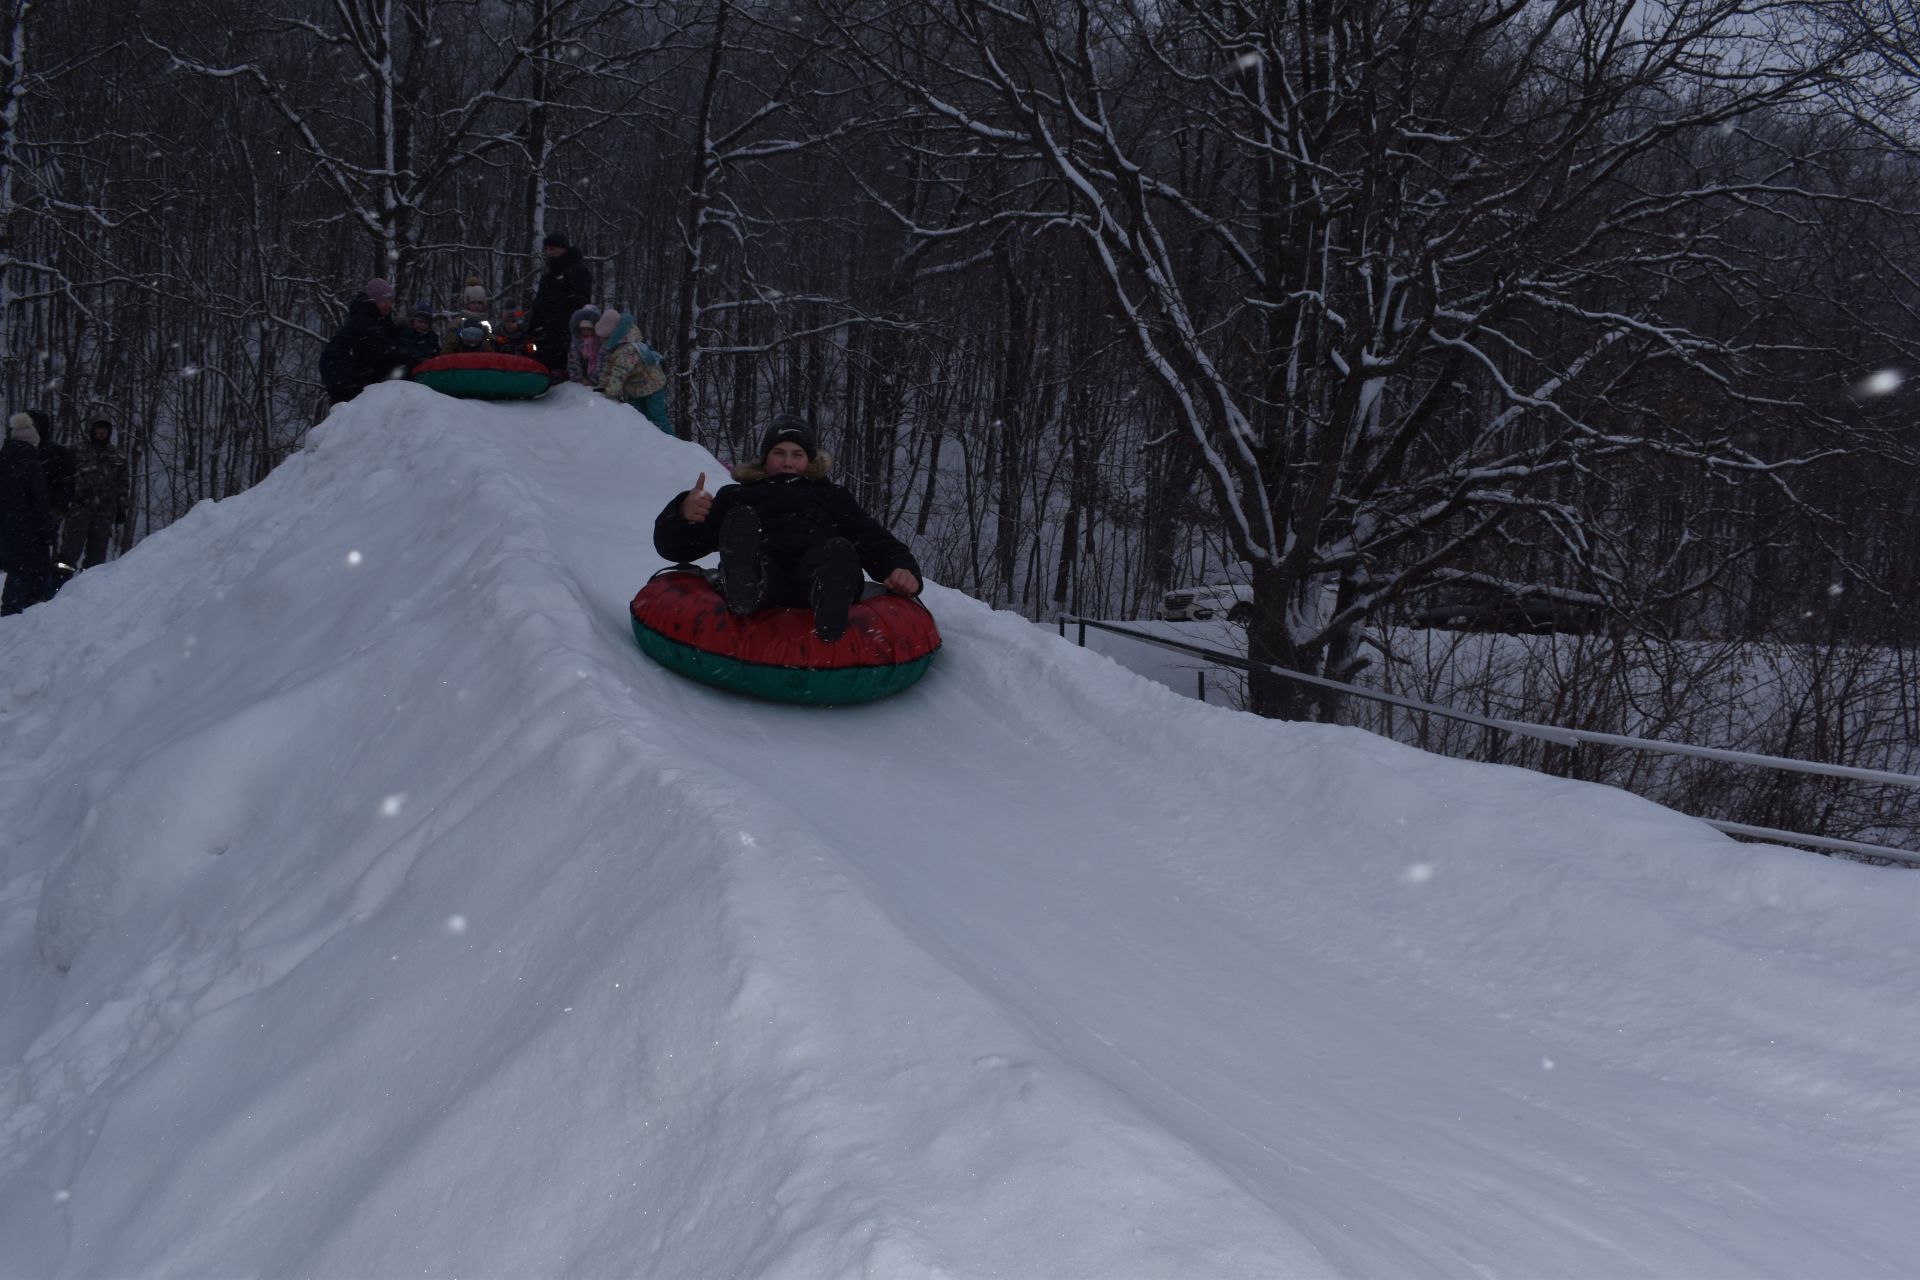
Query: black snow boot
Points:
[837, 582]
[743, 575]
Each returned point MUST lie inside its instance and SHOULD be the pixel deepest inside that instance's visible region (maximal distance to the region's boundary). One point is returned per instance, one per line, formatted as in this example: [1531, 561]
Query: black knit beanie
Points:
[788, 427]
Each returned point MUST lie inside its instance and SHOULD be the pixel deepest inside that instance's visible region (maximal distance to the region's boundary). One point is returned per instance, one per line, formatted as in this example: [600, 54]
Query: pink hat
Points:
[605, 325]
[379, 290]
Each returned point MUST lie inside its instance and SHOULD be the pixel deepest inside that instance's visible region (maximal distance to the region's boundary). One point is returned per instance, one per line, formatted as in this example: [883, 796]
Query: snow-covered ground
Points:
[370, 906]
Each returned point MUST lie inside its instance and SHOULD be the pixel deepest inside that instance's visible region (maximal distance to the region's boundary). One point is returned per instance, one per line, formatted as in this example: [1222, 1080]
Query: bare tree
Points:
[1397, 271]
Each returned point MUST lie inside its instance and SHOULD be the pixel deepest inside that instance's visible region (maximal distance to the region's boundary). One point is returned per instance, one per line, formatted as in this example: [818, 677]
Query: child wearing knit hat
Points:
[786, 534]
[631, 371]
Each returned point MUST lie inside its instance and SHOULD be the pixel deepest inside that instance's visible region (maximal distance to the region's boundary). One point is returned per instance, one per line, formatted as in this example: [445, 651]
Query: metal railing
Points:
[1562, 736]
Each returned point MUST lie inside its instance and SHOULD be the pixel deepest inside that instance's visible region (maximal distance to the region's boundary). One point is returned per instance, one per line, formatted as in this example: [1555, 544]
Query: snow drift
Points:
[370, 906]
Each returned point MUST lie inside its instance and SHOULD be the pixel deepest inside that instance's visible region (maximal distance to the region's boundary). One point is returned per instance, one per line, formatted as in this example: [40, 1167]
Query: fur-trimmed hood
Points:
[587, 314]
[752, 472]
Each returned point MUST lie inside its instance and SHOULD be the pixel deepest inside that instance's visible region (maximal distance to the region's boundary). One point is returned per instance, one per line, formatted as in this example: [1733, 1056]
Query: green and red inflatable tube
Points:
[483, 375]
[682, 623]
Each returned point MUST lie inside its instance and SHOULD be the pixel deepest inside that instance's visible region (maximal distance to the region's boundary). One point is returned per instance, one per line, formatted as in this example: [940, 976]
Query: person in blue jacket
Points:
[787, 535]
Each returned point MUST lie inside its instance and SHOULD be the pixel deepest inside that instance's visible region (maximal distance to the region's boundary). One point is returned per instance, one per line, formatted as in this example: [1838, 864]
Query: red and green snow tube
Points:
[682, 623]
[483, 375]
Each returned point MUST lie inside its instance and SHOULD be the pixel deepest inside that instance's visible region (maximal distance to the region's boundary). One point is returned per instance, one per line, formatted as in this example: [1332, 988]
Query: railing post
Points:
[1202, 674]
[1083, 633]
[1495, 744]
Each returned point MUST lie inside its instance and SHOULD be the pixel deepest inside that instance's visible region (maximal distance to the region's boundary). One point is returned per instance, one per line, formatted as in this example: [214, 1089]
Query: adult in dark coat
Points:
[367, 349]
[62, 470]
[566, 287]
[786, 534]
[58, 462]
[26, 519]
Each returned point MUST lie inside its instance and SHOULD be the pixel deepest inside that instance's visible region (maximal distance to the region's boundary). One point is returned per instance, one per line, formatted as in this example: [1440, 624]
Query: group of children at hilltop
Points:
[786, 534]
[576, 340]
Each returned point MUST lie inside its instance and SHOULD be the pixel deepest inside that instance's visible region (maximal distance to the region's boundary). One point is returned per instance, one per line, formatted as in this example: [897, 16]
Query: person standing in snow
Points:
[786, 534]
[26, 519]
[583, 353]
[58, 464]
[566, 287]
[367, 349]
[419, 338]
[630, 370]
[100, 500]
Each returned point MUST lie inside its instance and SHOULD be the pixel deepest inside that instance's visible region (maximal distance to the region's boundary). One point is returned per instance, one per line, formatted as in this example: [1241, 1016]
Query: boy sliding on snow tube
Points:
[786, 534]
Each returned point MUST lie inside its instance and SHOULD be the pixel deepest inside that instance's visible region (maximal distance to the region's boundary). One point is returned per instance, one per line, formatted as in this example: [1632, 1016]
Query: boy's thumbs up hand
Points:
[694, 507]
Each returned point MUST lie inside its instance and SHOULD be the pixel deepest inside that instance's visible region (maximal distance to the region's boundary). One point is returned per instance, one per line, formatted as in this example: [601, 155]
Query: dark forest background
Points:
[1370, 303]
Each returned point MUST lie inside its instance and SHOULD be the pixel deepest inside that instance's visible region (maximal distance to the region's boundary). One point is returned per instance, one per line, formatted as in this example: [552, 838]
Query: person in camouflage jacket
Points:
[100, 496]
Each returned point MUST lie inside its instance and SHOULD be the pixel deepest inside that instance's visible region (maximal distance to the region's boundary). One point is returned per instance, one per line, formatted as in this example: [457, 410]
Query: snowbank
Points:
[371, 906]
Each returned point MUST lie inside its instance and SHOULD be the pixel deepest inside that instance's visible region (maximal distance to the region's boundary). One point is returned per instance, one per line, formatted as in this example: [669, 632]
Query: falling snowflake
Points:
[1419, 873]
[1247, 61]
[1881, 383]
[456, 924]
[353, 557]
[1837, 589]
[391, 806]
[1546, 1064]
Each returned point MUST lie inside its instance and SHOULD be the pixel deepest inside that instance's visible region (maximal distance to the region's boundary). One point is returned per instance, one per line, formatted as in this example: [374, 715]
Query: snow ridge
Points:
[371, 906]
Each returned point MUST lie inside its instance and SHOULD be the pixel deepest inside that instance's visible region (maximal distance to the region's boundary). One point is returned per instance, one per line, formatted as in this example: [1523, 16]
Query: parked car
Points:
[1531, 614]
[1230, 600]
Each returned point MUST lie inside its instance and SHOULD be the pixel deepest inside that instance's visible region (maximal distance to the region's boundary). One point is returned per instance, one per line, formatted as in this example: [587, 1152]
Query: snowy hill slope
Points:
[370, 906]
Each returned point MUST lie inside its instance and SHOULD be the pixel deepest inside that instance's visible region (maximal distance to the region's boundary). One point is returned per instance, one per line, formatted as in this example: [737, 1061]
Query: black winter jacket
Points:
[564, 289]
[418, 346]
[365, 351]
[26, 517]
[58, 465]
[796, 512]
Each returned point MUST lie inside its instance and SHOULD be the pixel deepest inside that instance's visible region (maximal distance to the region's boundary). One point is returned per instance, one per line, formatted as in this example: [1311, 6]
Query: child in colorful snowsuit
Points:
[583, 352]
[630, 370]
